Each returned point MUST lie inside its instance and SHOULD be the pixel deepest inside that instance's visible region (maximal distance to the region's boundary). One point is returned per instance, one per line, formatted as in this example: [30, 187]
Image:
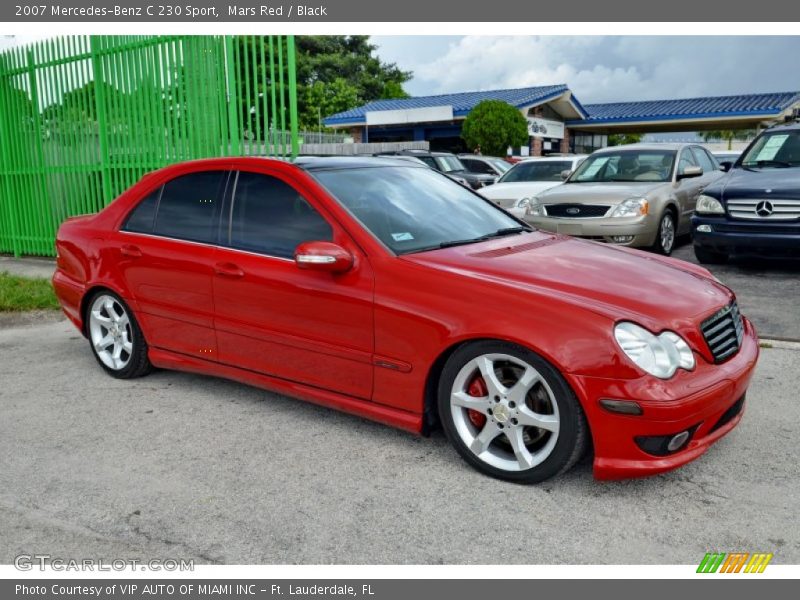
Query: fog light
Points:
[621, 239]
[677, 441]
[704, 228]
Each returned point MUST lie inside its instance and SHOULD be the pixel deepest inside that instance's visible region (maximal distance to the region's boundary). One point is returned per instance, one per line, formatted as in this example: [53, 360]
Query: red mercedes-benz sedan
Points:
[382, 288]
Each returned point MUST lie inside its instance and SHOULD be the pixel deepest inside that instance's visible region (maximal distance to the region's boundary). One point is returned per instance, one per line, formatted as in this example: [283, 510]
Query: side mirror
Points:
[725, 166]
[689, 172]
[323, 256]
[565, 173]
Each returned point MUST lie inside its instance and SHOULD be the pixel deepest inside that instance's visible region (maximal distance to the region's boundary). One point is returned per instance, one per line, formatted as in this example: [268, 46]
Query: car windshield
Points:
[625, 165]
[411, 209]
[774, 151]
[500, 165]
[536, 170]
[448, 164]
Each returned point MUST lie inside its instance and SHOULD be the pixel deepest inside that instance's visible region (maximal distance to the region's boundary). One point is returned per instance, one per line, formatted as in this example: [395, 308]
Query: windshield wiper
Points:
[499, 233]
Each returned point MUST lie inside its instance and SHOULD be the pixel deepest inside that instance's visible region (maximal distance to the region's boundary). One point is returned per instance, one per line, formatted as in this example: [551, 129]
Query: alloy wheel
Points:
[110, 332]
[505, 412]
[667, 233]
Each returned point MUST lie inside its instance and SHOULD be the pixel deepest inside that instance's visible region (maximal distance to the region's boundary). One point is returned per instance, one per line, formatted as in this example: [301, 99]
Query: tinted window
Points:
[477, 166]
[142, 217]
[411, 209]
[271, 217]
[189, 206]
[704, 160]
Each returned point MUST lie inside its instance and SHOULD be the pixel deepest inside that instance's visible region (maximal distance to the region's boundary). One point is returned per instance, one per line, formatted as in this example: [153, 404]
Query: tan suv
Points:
[640, 195]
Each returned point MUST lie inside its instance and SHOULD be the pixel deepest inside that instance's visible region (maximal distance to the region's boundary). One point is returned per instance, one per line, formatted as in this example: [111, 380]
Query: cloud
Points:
[599, 68]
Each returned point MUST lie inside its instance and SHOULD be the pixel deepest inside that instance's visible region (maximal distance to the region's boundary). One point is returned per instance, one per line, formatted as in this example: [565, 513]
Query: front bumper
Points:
[643, 229]
[701, 401]
[752, 237]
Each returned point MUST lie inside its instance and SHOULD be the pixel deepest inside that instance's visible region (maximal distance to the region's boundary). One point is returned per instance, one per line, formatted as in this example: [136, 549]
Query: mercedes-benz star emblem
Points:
[764, 208]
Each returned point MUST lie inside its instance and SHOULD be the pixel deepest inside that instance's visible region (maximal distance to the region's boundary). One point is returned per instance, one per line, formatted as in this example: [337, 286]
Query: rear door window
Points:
[142, 218]
[189, 206]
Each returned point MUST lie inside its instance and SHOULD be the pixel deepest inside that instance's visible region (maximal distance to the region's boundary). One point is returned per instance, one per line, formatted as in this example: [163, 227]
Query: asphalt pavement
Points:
[184, 466]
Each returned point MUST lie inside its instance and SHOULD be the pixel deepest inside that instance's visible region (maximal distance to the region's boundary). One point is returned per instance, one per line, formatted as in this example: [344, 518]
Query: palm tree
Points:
[728, 135]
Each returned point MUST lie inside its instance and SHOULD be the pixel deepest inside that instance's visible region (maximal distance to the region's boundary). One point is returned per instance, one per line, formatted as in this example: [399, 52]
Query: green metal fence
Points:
[83, 118]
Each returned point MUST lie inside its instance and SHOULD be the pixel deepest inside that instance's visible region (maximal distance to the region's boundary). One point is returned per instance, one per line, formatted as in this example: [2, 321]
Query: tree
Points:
[620, 139]
[728, 135]
[334, 73]
[494, 125]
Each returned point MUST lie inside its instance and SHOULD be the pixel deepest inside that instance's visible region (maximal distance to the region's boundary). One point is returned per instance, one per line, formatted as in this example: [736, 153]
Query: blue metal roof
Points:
[462, 102]
[689, 108]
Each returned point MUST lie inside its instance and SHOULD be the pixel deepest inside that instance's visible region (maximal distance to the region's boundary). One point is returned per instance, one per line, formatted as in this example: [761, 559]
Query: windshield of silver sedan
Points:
[774, 151]
[412, 209]
[625, 166]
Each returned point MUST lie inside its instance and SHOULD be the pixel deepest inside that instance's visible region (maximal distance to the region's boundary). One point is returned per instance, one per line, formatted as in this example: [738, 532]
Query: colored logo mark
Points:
[735, 562]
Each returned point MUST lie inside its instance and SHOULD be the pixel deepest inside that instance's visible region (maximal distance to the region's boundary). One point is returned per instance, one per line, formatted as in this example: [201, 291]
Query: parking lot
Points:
[177, 465]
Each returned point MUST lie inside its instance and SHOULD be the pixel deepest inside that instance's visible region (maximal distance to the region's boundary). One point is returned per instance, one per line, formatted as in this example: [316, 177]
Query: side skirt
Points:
[401, 419]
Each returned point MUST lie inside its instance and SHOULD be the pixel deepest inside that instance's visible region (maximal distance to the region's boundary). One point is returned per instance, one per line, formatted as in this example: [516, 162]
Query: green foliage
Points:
[728, 135]
[20, 294]
[495, 125]
[620, 139]
[334, 73]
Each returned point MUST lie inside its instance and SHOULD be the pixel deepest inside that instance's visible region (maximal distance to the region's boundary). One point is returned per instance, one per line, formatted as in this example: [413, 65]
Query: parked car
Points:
[384, 289]
[640, 195]
[726, 156]
[755, 208]
[514, 190]
[449, 164]
[484, 165]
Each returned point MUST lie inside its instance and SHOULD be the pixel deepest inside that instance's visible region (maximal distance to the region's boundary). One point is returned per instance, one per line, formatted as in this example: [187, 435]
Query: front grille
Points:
[576, 211]
[773, 209]
[755, 228]
[723, 332]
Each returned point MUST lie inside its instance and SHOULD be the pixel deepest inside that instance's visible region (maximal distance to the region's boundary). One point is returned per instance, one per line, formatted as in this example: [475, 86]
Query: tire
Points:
[666, 235]
[115, 337]
[709, 257]
[490, 395]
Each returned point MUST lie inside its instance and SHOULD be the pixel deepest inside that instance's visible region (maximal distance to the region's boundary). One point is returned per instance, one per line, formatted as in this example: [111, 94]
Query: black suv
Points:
[449, 164]
[755, 208]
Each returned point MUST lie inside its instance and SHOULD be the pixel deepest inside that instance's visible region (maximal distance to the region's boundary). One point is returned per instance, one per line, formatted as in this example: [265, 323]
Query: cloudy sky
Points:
[598, 69]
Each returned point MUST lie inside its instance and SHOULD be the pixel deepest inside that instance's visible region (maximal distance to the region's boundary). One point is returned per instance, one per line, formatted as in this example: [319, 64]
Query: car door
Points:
[165, 254]
[687, 190]
[271, 316]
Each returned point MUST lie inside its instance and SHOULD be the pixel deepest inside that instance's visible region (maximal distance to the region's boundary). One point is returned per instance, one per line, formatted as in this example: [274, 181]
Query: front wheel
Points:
[509, 413]
[665, 238]
[115, 337]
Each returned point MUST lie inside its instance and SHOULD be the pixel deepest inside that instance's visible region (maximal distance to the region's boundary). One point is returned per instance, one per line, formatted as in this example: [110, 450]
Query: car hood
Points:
[599, 193]
[620, 283]
[517, 190]
[744, 183]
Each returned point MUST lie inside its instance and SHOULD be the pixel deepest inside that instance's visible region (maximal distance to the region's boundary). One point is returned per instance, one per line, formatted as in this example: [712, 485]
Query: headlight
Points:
[534, 208]
[709, 206]
[660, 355]
[524, 203]
[632, 207]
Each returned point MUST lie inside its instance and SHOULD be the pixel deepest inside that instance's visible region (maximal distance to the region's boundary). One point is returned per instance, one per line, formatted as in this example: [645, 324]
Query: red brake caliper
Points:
[477, 389]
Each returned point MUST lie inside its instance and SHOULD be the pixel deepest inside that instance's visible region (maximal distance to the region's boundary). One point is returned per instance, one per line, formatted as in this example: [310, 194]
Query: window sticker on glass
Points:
[402, 237]
[594, 167]
[771, 147]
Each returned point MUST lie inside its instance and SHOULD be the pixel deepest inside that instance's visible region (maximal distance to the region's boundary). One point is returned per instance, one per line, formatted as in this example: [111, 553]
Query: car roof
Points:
[650, 146]
[319, 163]
[793, 126]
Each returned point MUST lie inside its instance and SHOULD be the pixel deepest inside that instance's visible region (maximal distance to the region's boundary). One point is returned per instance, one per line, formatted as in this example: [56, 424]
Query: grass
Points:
[19, 294]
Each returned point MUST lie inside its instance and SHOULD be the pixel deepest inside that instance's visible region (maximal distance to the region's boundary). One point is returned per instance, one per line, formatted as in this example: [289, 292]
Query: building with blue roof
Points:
[557, 121]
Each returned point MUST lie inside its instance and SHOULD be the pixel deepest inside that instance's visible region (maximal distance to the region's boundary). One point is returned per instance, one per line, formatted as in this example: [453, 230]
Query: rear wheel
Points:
[709, 257]
[509, 413]
[115, 337]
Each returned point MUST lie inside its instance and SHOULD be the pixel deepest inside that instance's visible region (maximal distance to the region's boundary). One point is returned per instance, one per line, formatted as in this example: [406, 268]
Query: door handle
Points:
[130, 251]
[227, 269]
